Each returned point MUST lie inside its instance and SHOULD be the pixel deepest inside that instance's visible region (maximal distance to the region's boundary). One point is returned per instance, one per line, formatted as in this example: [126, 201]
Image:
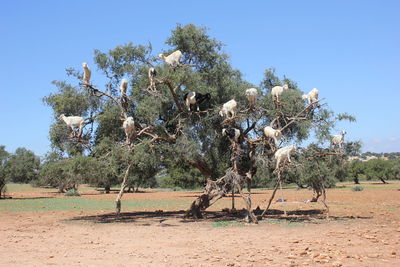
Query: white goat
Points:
[251, 95]
[311, 97]
[338, 139]
[124, 86]
[173, 59]
[129, 128]
[273, 133]
[86, 74]
[72, 122]
[277, 91]
[229, 109]
[152, 78]
[283, 154]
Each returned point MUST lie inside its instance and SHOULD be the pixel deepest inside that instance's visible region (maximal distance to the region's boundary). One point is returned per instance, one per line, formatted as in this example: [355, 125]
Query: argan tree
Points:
[168, 134]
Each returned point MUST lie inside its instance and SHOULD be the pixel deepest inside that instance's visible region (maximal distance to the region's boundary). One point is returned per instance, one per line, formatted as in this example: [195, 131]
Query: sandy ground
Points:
[363, 230]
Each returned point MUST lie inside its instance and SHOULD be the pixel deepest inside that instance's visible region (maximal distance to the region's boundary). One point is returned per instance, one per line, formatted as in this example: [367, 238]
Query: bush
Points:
[72, 193]
[357, 188]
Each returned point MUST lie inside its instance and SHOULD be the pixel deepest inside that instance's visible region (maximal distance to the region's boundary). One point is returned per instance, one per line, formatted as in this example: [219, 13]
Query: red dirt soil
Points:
[363, 230]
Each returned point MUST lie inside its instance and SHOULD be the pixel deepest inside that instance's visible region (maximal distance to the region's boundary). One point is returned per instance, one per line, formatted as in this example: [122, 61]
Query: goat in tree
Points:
[124, 86]
[251, 95]
[194, 98]
[72, 122]
[311, 97]
[338, 139]
[283, 154]
[129, 128]
[273, 133]
[152, 78]
[86, 74]
[173, 60]
[232, 133]
[229, 109]
[277, 91]
[124, 98]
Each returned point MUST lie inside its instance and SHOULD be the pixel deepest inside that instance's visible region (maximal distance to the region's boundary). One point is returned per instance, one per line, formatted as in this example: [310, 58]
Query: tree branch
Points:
[168, 82]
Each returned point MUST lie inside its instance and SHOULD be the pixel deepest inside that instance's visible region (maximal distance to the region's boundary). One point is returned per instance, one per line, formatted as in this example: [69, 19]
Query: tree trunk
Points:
[383, 181]
[107, 189]
[233, 199]
[271, 198]
[316, 197]
[247, 199]
[215, 190]
[121, 192]
[1, 189]
[356, 181]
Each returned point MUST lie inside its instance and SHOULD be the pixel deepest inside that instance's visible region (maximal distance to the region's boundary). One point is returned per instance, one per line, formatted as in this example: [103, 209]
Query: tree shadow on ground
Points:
[115, 191]
[199, 193]
[27, 198]
[311, 216]
[176, 218]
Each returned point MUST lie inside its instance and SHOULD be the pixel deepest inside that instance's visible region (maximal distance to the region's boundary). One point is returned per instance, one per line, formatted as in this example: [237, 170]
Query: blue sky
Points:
[349, 50]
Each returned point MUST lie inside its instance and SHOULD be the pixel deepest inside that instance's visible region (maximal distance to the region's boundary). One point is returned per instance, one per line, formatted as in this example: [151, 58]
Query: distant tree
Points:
[146, 164]
[51, 173]
[354, 170]
[66, 173]
[22, 166]
[3, 160]
[107, 158]
[378, 169]
[183, 176]
[395, 168]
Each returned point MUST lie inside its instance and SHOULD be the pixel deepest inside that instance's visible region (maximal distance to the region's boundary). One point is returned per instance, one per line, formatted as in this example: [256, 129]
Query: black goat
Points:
[232, 133]
[194, 98]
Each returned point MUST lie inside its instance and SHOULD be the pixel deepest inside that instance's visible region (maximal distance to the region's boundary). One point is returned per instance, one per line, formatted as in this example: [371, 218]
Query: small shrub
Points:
[72, 193]
[357, 188]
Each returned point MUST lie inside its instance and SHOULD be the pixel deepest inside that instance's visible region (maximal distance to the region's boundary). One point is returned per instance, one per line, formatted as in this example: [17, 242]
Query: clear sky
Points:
[349, 50]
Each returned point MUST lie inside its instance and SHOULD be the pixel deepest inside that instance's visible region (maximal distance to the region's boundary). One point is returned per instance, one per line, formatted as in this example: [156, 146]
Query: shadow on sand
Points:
[175, 218]
[26, 198]
[311, 216]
